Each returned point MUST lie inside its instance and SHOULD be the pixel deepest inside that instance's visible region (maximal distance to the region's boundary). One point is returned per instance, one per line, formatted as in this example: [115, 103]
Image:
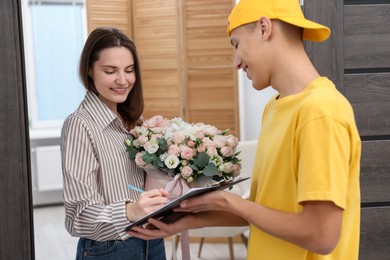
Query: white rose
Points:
[151, 146]
[128, 142]
[171, 161]
[163, 156]
[210, 130]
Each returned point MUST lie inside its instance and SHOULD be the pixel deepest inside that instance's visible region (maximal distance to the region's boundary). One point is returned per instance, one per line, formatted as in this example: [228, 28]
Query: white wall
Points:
[251, 106]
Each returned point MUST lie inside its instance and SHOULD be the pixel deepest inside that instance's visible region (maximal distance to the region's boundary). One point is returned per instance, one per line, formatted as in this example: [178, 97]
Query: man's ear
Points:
[265, 26]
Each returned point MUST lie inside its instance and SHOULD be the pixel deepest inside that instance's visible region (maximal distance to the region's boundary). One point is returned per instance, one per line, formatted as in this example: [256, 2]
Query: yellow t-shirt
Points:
[309, 149]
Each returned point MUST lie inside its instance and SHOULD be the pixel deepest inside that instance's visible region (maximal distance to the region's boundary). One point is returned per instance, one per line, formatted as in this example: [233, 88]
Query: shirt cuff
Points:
[119, 218]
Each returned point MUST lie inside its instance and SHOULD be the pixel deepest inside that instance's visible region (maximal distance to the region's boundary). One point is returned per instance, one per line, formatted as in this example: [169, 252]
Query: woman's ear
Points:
[265, 26]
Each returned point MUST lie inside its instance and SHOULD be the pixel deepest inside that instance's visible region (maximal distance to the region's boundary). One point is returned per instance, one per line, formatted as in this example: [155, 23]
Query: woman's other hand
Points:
[148, 202]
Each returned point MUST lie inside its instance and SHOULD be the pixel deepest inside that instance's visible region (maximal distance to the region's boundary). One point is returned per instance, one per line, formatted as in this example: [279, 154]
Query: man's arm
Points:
[317, 228]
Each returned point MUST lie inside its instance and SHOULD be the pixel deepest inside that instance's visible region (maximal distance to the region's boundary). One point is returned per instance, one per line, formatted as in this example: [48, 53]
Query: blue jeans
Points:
[132, 249]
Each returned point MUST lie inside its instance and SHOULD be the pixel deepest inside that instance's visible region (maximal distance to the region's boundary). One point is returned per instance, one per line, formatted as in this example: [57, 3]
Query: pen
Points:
[135, 188]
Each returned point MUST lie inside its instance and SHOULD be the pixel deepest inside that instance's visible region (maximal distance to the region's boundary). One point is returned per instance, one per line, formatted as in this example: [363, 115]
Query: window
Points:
[54, 33]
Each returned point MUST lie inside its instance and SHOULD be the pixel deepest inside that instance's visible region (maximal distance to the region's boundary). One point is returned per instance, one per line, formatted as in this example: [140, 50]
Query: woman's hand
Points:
[148, 202]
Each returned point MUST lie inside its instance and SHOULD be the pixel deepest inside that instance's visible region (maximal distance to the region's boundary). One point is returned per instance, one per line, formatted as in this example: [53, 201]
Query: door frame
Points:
[16, 225]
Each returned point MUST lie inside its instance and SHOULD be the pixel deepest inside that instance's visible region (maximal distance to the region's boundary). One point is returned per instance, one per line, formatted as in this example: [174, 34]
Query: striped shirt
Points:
[96, 170]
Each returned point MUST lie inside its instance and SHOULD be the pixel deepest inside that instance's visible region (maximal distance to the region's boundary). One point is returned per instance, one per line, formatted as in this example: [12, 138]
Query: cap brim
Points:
[312, 31]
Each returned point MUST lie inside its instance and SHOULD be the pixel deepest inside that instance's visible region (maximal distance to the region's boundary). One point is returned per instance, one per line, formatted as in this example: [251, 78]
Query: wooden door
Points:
[156, 33]
[116, 13]
[210, 78]
[357, 59]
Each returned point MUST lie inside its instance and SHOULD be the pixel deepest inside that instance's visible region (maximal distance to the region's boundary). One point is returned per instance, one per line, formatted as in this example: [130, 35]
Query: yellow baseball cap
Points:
[289, 11]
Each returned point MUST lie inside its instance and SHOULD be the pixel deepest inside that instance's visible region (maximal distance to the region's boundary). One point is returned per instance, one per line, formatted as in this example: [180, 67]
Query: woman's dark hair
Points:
[107, 37]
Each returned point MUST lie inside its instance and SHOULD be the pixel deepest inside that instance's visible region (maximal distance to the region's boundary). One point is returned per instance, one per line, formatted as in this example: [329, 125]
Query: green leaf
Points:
[210, 169]
[218, 178]
[225, 132]
[148, 158]
[132, 152]
[162, 143]
[202, 160]
[157, 162]
[194, 167]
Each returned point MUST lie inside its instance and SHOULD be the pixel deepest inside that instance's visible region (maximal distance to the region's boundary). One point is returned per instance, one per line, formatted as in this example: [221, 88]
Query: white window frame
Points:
[41, 128]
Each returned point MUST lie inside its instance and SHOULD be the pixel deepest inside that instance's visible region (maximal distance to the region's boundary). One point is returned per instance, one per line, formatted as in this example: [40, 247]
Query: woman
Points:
[96, 168]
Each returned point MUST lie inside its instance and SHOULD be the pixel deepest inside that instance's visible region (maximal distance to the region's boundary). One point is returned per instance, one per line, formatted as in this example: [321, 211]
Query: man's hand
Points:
[157, 229]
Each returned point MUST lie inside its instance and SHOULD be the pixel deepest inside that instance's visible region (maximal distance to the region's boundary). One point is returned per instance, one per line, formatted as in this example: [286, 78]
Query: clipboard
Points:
[166, 214]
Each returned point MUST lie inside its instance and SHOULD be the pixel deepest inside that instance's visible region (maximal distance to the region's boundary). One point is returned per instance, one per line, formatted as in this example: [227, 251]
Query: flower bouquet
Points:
[196, 153]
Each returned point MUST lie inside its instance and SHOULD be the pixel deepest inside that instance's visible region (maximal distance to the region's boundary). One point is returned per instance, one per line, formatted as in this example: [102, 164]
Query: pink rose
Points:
[134, 132]
[219, 140]
[156, 121]
[174, 150]
[232, 141]
[190, 143]
[138, 160]
[186, 172]
[143, 139]
[199, 134]
[226, 167]
[208, 143]
[201, 148]
[210, 130]
[212, 151]
[227, 151]
[194, 151]
[236, 170]
[186, 152]
[178, 137]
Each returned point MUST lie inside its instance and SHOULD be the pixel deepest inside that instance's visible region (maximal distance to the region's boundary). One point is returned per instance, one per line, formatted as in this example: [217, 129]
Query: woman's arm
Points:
[88, 213]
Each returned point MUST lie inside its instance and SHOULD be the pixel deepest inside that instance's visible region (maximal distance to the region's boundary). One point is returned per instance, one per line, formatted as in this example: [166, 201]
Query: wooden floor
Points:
[53, 242]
